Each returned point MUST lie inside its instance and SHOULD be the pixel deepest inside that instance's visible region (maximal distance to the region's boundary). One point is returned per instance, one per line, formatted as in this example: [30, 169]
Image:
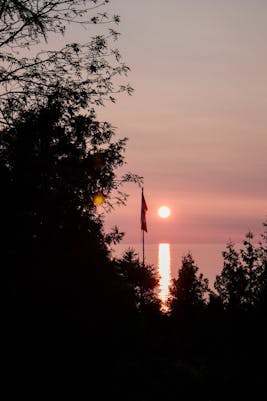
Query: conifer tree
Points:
[141, 282]
[188, 293]
[231, 284]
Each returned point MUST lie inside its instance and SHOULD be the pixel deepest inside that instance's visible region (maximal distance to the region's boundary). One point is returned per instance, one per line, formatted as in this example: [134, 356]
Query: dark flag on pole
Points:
[143, 213]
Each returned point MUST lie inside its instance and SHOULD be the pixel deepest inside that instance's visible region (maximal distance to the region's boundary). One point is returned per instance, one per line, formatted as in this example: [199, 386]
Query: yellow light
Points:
[164, 264]
[164, 212]
[98, 199]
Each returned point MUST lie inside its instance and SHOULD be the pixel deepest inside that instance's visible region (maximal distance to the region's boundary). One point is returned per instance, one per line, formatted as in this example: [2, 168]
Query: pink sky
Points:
[197, 120]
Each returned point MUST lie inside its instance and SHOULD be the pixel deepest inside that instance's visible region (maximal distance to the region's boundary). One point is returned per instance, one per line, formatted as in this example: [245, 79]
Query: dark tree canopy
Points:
[68, 300]
[141, 282]
[231, 283]
[58, 162]
[189, 291]
[241, 282]
[53, 162]
[27, 22]
[28, 74]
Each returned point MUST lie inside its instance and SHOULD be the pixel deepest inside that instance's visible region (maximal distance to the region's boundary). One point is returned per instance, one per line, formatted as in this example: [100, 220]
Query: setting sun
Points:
[164, 212]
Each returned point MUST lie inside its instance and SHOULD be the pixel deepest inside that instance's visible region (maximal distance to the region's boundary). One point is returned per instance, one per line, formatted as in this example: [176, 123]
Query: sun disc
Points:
[164, 211]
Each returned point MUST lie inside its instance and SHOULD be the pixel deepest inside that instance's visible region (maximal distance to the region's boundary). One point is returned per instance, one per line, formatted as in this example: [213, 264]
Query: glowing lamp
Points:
[98, 199]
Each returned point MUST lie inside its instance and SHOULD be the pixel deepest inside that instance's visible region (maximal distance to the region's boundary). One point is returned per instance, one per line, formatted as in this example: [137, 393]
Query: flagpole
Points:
[143, 233]
[143, 222]
[143, 248]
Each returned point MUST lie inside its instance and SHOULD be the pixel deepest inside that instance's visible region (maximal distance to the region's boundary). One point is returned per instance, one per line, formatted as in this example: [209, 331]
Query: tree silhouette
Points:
[242, 326]
[231, 284]
[52, 162]
[241, 281]
[188, 292]
[263, 273]
[141, 282]
[253, 268]
[86, 70]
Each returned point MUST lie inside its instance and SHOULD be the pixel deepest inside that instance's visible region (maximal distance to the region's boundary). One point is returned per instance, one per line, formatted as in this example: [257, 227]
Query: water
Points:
[164, 269]
[207, 257]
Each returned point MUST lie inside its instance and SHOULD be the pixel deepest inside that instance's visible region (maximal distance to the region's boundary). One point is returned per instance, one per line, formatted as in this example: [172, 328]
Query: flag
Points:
[143, 213]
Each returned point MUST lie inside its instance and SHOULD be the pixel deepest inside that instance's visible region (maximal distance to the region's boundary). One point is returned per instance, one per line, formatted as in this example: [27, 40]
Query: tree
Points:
[85, 71]
[140, 281]
[53, 154]
[252, 265]
[262, 297]
[188, 292]
[263, 273]
[240, 283]
[52, 162]
[231, 284]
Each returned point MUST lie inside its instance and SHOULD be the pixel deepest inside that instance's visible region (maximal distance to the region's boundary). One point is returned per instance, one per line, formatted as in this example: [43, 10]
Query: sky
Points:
[197, 120]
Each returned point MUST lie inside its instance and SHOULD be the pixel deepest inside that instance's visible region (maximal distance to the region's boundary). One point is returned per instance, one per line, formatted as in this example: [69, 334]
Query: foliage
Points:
[241, 282]
[55, 160]
[140, 280]
[56, 254]
[86, 71]
[52, 161]
[188, 292]
[253, 267]
[263, 276]
[231, 283]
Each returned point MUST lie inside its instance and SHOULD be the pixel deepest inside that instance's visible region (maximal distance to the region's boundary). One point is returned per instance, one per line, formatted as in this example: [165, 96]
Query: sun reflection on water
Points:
[164, 264]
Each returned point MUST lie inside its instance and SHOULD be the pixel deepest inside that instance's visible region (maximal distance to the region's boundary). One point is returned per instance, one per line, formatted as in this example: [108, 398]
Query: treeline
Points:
[223, 331]
[80, 323]
[241, 285]
[75, 312]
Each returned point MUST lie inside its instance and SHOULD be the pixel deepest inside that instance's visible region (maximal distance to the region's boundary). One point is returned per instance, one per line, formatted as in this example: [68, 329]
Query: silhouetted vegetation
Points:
[81, 322]
[85, 71]
[188, 291]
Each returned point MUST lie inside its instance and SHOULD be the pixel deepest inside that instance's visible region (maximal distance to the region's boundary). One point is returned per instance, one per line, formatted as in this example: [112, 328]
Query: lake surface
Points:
[167, 259]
